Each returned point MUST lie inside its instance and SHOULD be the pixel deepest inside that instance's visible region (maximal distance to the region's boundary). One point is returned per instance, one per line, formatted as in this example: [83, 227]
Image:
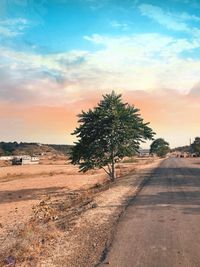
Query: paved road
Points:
[161, 227]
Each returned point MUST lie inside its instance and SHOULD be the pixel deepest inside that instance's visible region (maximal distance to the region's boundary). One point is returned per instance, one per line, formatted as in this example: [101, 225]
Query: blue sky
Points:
[58, 52]
[59, 25]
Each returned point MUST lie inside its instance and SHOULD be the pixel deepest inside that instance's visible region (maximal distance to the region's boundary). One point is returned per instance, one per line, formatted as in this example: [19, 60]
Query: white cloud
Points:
[173, 21]
[13, 27]
[117, 25]
[95, 38]
[132, 62]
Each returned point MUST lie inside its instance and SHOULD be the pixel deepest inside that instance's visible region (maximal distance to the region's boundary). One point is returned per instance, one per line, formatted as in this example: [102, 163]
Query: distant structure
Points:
[25, 160]
[21, 159]
[6, 158]
[144, 153]
[182, 154]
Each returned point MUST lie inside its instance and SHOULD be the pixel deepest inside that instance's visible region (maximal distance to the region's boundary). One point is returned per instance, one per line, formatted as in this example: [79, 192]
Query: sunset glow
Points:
[58, 57]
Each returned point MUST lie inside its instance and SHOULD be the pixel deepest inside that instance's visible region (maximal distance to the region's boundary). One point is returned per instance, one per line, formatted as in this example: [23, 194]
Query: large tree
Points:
[159, 147]
[108, 133]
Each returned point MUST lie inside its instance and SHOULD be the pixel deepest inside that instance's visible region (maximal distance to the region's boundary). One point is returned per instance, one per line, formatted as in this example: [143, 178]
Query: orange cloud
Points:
[173, 116]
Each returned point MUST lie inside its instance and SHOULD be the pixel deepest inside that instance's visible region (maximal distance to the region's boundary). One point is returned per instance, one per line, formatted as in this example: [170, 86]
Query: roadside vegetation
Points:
[41, 206]
[159, 147]
[195, 146]
[193, 149]
[107, 133]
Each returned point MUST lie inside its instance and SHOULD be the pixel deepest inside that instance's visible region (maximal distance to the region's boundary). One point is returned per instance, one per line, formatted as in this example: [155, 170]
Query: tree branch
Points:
[109, 168]
[106, 171]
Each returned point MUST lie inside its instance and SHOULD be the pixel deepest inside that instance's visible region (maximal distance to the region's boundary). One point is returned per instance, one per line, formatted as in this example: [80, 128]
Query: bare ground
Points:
[53, 216]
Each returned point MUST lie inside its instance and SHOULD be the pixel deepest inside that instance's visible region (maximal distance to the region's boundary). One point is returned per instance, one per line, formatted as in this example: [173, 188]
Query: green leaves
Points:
[160, 147]
[109, 132]
[196, 146]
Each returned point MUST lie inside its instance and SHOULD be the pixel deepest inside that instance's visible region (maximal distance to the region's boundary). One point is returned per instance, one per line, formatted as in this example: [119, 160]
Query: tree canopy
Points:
[159, 147]
[107, 133]
[196, 146]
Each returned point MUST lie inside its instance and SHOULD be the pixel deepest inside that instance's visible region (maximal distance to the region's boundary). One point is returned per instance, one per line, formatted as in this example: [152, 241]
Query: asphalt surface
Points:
[161, 227]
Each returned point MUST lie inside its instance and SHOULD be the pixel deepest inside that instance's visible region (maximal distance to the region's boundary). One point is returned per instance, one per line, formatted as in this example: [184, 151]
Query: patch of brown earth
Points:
[72, 228]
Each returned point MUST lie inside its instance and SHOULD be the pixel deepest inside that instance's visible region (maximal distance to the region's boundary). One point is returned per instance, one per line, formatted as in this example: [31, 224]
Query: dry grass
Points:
[49, 218]
[42, 201]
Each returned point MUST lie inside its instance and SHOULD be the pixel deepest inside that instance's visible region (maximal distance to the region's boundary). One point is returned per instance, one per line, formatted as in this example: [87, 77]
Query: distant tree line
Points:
[65, 149]
[195, 146]
[13, 148]
[8, 148]
[181, 149]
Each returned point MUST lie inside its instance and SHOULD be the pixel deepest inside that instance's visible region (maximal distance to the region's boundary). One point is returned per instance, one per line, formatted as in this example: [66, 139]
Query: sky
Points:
[57, 58]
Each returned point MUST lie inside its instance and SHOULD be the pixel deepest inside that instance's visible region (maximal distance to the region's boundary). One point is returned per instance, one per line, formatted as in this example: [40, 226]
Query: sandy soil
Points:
[21, 187]
[91, 235]
[24, 187]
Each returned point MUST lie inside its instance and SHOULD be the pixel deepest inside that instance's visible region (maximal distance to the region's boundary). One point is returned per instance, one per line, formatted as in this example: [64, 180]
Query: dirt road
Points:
[161, 227]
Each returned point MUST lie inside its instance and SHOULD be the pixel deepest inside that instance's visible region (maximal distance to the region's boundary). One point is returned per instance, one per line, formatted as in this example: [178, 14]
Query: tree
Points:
[196, 146]
[107, 133]
[159, 147]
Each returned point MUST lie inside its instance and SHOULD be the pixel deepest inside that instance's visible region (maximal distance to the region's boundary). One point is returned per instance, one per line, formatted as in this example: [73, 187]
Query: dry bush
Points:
[49, 219]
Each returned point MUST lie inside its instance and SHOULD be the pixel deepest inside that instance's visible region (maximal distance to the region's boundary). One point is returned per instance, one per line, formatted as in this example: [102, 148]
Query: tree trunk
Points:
[113, 171]
[112, 158]
[112, 176]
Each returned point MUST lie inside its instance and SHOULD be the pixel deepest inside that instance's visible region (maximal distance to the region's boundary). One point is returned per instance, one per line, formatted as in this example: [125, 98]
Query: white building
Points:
[144, 152]
[6, 158]
[21, 159]
[25, 160]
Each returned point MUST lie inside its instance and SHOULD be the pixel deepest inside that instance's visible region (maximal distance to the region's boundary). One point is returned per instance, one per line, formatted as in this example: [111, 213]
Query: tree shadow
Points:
[8, 196]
